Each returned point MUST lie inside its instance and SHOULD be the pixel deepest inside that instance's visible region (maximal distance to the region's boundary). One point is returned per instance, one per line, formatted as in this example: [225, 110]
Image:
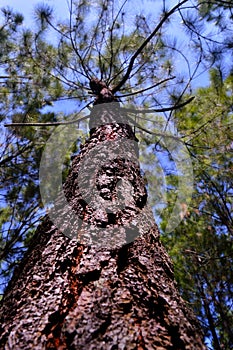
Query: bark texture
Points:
[99, 278]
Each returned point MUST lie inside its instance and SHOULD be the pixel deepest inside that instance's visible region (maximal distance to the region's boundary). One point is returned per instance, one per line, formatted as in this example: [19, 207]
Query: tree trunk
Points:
[100, 278]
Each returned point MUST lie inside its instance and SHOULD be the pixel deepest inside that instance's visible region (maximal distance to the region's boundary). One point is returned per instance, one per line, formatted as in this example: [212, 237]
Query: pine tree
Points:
[203, 271]
[139, 63]
[110, 284]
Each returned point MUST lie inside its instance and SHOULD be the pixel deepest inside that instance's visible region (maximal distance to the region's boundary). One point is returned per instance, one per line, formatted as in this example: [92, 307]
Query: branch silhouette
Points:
[131, 110]
[145, 42]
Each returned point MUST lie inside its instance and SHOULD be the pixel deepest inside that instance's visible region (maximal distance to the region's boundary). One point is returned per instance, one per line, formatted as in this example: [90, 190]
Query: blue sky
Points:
[61, 12]
[26, 7]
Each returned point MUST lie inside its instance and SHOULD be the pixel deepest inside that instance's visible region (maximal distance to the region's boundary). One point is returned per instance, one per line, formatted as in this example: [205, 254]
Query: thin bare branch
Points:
[111, 37]
[132, 110]
[165, 109]
[48, 124]
[146, 89]
[160, 134]
[122, 67]
[18, 76]
[16, 154]
[53, 123]
[74, 45]
[146, 41]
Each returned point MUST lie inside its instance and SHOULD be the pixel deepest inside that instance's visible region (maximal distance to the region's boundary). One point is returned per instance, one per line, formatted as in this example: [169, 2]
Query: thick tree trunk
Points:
[102, 279]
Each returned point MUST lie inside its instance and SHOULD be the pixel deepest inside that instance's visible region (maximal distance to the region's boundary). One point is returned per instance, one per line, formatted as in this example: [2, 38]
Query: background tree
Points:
[203, 270]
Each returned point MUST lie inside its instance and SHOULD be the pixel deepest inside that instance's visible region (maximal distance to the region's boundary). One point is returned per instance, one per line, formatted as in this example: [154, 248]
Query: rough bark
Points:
[100, 278]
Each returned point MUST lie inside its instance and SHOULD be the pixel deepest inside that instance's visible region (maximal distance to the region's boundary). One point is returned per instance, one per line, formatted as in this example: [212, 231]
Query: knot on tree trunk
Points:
[102, 91]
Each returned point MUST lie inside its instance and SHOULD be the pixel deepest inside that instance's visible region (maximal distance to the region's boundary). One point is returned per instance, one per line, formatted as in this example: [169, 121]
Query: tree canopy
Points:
[154, 56]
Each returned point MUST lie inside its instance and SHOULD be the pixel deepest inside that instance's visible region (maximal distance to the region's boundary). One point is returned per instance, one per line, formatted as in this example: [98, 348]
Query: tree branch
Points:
[146, 89]
[48, 124]
[165, 109]
[132, 110]
[146, 41]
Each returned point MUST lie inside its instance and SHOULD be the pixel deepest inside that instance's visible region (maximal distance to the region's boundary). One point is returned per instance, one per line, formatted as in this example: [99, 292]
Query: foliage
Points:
[201, 246]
